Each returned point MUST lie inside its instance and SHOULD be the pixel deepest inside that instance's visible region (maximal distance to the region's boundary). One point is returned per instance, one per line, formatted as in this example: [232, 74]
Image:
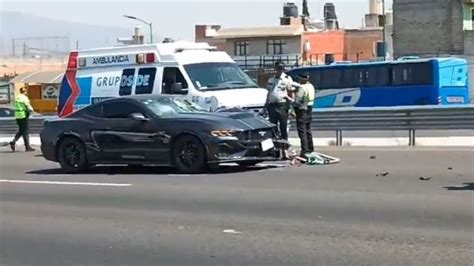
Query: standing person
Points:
[277, 100]
[304, 109]
[23, 110]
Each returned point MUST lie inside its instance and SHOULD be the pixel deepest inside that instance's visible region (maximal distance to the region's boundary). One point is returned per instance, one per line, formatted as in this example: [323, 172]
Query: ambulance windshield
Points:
[219, 76]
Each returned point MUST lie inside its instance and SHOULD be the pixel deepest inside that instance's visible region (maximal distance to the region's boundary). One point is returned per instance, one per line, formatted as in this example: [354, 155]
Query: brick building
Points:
[429, 28]
[296, 40]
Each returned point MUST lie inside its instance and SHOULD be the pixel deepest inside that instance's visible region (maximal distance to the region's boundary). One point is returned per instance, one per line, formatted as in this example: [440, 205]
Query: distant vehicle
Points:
[390, 83]
[157, 130]
[6, 112]
[193, 71]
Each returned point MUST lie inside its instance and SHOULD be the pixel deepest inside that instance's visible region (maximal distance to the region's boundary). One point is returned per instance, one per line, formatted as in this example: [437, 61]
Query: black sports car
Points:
[157, 130]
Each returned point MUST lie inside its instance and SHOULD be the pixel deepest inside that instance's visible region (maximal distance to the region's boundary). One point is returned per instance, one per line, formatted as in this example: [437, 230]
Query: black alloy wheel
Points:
[72, 155]
[189, 155]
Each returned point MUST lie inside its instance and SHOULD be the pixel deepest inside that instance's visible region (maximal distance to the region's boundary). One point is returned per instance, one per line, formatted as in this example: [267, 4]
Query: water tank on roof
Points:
[330, 11]
[290, 10]
[375, 7]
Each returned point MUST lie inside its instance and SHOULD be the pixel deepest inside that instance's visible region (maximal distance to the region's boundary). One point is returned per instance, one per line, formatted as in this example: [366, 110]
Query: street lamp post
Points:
[145, 22]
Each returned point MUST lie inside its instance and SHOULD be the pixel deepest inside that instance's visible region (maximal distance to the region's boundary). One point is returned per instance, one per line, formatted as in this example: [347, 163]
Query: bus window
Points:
[412, 74]
[331, 78]
[360, 76]
[348, 78]
[422, 73]
[145, 80]
[315, 78]
[377, 76]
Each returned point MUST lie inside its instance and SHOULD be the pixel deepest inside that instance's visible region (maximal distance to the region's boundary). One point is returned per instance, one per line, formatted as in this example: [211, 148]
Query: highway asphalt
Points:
[371, 209]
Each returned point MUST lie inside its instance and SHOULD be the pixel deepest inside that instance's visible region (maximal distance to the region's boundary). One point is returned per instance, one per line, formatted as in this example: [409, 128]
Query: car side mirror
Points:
[138, 117]
[177, 88]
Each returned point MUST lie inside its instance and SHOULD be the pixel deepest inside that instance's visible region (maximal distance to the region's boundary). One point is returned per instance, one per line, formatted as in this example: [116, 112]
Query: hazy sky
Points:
[176, 18]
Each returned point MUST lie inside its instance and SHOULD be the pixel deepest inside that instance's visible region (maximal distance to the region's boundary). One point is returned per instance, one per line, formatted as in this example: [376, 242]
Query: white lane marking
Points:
[64, 183]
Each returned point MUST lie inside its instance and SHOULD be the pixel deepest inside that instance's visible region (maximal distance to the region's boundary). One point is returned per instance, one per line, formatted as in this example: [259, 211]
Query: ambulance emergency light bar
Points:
[110, 60]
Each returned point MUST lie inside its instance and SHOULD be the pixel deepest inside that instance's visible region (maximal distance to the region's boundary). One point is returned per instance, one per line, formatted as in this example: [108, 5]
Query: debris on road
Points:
[425, 178]
[231, 231]
[313, 158]
[372, 157]
[383, 174]
[450, 168]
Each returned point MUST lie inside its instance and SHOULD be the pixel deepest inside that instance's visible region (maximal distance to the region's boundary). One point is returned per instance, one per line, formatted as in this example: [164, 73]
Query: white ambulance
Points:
[195, 71]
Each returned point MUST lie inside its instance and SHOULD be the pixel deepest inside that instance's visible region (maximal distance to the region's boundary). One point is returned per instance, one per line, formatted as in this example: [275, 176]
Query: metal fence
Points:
[340, 120]
[293, 60]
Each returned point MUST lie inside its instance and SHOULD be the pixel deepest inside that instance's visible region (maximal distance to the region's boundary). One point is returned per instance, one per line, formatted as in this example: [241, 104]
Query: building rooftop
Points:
[255, 32]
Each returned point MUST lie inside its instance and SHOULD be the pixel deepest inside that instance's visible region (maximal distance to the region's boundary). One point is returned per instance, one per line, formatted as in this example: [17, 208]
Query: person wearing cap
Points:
[303, 106]
[279, 89]
[23, 109]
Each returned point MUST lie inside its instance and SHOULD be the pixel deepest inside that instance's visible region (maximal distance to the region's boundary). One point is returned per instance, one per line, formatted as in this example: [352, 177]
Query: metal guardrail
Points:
[410, 119]
[339, 120]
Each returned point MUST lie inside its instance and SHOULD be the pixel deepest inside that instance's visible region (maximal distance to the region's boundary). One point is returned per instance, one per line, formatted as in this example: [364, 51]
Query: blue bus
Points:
[438, 81]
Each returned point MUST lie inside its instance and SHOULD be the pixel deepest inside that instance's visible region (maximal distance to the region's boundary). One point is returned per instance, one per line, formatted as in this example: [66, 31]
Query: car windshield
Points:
[171, 106]
[218, 76]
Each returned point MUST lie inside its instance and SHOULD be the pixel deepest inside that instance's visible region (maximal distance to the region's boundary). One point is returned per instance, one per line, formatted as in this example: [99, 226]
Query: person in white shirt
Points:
[279, 87]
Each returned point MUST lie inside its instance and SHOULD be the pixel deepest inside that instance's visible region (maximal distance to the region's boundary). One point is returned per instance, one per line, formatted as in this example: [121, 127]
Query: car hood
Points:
[249, 97]
[224, 120]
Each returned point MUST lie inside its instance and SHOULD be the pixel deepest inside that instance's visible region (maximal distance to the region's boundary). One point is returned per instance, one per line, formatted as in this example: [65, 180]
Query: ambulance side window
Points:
[145, 80]
[171, 76]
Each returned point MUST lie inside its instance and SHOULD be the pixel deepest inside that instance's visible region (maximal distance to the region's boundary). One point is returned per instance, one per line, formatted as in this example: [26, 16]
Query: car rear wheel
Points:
[72, 155]
[189, 155]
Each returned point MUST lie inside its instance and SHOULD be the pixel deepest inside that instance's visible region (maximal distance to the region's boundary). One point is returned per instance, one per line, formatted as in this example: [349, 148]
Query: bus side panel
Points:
[454, 81]
[382, 96]
[396, 96]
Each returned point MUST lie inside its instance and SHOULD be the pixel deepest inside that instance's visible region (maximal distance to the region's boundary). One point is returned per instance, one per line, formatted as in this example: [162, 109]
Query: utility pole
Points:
[383, 37]
[305, 8]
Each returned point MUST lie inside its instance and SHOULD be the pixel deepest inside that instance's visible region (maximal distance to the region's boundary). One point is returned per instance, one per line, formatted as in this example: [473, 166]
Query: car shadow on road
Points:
[466, 186]
[151, 170]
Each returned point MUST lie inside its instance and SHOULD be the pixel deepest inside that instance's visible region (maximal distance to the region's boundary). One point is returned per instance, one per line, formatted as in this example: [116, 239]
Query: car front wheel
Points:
[189, 155]
[72, 155]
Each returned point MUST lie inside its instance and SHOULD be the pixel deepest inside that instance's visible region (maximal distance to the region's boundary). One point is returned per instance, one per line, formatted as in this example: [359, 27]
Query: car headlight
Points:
[225, 134]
